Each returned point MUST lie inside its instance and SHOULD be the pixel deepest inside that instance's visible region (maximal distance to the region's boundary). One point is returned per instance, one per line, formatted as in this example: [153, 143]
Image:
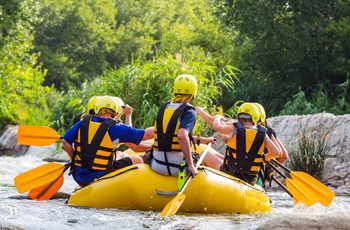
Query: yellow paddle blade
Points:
[174, 205]
[36, 135]
[301, 193]
[46, 191]
[38, 176]
[295, 201]
[324, 193]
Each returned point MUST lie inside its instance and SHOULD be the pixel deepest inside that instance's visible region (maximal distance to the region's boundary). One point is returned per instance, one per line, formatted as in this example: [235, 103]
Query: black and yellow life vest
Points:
[93, 148]
[244, 151]
[166, 127]
[266, 172]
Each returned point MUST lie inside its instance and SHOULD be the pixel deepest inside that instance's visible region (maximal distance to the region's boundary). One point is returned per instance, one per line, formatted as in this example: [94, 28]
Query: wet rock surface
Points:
[311, 221]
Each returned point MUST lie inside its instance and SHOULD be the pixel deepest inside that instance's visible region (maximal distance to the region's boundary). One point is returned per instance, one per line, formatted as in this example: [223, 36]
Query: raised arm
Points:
[222, 127]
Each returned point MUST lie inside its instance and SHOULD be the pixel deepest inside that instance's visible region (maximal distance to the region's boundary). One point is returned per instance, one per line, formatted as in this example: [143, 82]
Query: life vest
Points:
[166, 127]
[266, 172]
[244, 151]
[93, 148]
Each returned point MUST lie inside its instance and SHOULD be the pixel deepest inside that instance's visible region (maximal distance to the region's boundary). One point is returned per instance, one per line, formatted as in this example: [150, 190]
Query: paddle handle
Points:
[199, 162]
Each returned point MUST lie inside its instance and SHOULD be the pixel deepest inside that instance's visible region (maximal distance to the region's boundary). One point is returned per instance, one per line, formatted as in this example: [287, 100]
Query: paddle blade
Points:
[295, 201]
[36, 135]
[38, 176]
[324, 193]
[46, 191]
[174, 205]
[301, 193]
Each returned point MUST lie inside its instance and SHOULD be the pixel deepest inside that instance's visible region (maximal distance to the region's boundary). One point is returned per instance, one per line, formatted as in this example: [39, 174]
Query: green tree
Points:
[145, 85]
[289, 45]
[22, 98]
[73, 37]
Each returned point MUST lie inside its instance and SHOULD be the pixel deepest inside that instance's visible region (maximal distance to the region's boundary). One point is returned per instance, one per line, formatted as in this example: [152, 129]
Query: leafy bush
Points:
[321, 100]
[144, 86]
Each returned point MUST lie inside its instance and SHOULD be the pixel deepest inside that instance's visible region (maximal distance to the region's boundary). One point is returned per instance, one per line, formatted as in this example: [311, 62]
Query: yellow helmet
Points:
[91, 104]
[251, 110]
[120, 103]
[106, 102]
[185, 84]
[261, 112]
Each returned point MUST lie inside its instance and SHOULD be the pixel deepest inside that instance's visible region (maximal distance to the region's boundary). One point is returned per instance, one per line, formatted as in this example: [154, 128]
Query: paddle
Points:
[36, 135]
[324, 193]
[299, 192]
[45, 192]
[174, 205]
[284, 188]
[39, 176]
[40, 135]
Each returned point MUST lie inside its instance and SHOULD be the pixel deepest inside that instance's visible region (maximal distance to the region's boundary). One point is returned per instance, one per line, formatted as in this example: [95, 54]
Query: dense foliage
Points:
[291, 56]
[291, 46]
[22, 98]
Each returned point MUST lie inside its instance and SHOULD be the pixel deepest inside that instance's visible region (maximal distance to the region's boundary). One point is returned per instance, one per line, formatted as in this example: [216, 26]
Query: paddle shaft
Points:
[281, 165]
[204, 153]
[276, 169]
[174, 205]
[281, 185]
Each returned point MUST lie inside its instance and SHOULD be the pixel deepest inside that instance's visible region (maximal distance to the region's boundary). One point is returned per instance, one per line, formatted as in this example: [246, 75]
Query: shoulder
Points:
[189, 113]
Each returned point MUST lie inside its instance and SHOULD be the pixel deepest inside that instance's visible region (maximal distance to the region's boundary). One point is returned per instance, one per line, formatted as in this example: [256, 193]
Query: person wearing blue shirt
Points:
[95, 137]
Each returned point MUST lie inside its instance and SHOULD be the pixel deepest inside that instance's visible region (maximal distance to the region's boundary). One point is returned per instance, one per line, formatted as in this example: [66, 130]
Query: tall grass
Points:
[312, 148]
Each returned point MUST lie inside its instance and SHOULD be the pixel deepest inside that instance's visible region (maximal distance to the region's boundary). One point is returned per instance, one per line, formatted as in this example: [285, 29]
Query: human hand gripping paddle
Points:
[174, 205]
[324, 194]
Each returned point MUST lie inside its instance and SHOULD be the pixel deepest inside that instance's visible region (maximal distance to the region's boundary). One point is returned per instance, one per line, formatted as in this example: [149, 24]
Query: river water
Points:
[16, 213]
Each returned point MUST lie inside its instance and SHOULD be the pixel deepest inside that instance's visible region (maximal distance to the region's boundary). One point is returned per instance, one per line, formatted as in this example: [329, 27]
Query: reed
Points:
[310, 152]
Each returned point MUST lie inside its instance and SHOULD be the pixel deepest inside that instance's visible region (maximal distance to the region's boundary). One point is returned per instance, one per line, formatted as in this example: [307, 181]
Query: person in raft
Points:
[173, 131]
[90, 109]
[266, 172]
[245, 146]
[95, 137]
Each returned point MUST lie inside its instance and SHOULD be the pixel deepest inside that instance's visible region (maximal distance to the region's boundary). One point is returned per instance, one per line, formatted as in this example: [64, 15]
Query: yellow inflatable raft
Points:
[139, 187]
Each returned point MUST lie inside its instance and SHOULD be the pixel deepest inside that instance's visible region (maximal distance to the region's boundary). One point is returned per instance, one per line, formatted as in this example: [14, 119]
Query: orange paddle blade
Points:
[45, 192]
[301, 193]
[174, 205]
[325, 194]
[38, 176]
[36, 135]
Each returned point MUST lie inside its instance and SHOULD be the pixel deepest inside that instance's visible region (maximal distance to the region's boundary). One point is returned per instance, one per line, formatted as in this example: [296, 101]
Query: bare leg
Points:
[136, 159]
[212, 160]
[120, 155]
